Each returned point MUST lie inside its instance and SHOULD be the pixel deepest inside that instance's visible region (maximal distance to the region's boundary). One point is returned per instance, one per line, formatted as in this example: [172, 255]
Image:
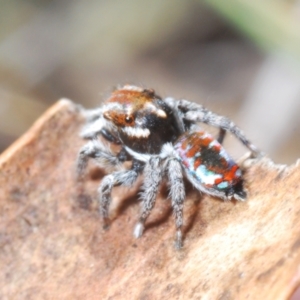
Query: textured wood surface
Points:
[53, 246]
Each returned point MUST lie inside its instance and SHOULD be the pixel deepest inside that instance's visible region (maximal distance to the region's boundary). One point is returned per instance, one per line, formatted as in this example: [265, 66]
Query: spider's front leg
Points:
[197, 113]
[96, 150]
[125, 177]
[152, 180]
[92, 114]
[97, 125]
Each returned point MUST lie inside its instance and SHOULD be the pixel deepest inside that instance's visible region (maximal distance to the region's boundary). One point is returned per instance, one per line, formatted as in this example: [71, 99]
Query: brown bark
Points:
[53, 246]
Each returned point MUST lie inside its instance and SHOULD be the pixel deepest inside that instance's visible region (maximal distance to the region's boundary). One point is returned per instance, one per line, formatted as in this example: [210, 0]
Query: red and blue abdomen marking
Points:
[207, 162]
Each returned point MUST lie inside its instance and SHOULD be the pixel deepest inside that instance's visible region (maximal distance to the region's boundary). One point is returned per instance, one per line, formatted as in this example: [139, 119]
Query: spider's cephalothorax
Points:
[161, 136]
[144, 122]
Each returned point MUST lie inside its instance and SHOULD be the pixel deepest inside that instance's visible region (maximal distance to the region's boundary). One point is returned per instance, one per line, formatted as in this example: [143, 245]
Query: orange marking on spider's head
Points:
[133, 99]
[119, 118]
[133, 96]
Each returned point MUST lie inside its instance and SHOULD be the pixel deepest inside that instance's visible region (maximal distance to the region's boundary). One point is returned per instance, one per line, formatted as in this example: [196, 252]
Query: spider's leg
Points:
[93, 128]
[125, 177]
[152, 179]
[197, 113]
[221, 136]
[92, 114]
[96, 150]
[177, 193]
[97, 125]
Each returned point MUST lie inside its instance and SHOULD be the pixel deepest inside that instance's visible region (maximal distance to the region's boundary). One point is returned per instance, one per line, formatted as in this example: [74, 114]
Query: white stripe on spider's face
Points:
[136, 132]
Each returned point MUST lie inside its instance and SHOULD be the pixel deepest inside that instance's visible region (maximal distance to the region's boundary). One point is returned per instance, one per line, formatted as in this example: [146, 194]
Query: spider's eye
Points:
[128, 119]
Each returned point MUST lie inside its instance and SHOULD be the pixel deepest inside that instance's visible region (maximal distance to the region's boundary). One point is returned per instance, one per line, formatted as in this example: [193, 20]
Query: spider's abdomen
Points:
[207, 163]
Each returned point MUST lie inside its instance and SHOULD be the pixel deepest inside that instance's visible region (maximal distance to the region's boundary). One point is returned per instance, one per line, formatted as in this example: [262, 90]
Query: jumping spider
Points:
[161, 138]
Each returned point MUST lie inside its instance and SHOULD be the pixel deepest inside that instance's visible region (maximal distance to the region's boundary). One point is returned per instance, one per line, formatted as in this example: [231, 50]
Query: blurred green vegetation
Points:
[271, 24]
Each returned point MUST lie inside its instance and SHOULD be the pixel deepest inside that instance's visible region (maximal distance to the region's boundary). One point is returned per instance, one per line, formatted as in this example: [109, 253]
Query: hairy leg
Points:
[197, 113]
[177, 194]
[96, 150]
[152, 180]
[126, 178]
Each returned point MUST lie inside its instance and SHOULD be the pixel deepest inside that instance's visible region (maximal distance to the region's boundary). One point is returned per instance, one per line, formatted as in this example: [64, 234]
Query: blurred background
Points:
[238, 58]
